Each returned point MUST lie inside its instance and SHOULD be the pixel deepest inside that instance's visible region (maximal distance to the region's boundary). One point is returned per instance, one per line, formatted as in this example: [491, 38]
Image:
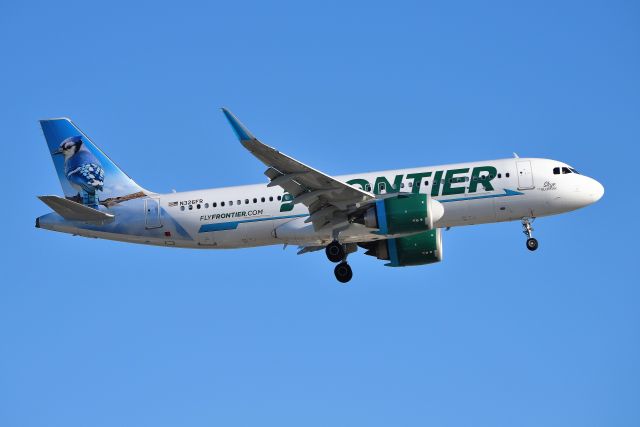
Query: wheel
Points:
[532, 244]
[343, 272]
[334, 251]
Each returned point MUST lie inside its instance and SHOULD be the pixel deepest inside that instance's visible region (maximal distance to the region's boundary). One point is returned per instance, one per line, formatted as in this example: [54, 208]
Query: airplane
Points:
[394, 215]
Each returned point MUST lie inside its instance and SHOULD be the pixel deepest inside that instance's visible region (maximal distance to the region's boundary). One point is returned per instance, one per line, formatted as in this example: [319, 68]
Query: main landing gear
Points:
[336, 253]
[532, 244]
[343, 272]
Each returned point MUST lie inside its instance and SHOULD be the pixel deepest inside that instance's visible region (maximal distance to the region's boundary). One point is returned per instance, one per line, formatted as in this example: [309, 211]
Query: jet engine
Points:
[403, 213]
[416, 249]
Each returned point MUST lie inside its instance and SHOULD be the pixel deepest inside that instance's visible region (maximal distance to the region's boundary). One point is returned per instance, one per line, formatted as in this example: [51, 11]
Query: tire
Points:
[343, 272]
[334, 251]
[532, 244]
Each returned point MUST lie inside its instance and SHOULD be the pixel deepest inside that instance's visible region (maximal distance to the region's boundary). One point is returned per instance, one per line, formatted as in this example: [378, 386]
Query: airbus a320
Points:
[394, 215]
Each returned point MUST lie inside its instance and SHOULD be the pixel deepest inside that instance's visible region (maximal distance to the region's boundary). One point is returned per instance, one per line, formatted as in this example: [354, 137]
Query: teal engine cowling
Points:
[416, 249]
[402, 213]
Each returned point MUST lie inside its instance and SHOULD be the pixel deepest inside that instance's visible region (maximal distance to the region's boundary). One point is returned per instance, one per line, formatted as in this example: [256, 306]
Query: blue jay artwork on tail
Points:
[82, 169]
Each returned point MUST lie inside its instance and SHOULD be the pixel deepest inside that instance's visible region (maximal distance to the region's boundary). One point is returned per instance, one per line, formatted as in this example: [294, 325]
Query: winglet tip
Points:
[240, 130]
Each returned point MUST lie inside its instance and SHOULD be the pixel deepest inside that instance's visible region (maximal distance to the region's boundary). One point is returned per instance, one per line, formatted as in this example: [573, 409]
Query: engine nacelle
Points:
[417, 249]
[404, 213]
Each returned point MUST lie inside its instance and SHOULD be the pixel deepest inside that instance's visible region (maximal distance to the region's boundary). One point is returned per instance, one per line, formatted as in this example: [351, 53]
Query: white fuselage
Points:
[255, 215]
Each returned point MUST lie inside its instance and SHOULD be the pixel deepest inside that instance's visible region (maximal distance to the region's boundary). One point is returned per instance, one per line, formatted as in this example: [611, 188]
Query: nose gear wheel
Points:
[527, 229]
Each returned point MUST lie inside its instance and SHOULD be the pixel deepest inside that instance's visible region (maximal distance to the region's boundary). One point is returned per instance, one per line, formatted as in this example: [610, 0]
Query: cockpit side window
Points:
[556, 171]
[565, 170]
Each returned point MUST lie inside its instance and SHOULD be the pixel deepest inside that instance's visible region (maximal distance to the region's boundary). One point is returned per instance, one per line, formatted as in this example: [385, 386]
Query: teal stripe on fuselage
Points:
[232, 225]
[506, 193]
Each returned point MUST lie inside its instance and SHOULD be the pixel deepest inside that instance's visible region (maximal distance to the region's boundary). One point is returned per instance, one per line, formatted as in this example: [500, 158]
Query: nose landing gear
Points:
[532, 244]
[336, 252]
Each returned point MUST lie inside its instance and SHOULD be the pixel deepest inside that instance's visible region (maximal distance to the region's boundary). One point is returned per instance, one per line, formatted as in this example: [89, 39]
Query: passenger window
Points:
[221, 203]
[279, 198]
[507, 174]
[190, 207]
[410, 184]
[198, 206]
[239, 202]
[565, 170]
[255, 200]
[271, 198]
[426, 183]
[206, 205]
[246, 201]
[381, 186]
[181, 208]
[262, 199]
[230, 202]
[402, 185]
[368, 187]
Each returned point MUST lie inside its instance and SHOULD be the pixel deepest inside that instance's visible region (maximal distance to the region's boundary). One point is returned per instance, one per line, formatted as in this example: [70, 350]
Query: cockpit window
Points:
[565, 170]
[556, 171]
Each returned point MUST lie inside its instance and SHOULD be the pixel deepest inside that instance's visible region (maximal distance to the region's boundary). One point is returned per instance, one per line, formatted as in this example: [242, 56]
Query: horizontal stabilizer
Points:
[73, 211]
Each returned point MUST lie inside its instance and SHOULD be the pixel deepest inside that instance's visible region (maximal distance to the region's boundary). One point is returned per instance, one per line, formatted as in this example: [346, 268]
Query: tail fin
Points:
[86, 174]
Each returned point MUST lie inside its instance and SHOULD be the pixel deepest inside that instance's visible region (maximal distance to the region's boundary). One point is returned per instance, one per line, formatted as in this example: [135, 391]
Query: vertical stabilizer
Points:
[86, 174]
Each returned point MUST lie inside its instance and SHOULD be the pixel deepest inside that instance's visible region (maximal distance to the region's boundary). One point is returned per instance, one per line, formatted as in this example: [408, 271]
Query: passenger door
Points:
[525, 175]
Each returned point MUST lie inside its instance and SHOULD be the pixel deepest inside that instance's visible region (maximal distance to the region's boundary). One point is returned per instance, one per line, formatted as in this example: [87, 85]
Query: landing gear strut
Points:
[532, 244]
[336, 252]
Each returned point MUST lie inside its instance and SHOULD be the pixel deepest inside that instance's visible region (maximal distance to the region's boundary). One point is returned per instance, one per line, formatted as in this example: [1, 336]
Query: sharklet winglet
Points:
[240, 130]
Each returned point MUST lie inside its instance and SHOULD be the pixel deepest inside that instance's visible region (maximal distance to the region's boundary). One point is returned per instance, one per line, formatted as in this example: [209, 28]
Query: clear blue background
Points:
[99, 333]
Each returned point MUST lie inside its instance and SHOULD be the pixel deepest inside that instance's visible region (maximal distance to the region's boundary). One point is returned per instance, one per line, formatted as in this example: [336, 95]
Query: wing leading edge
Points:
[328, 199]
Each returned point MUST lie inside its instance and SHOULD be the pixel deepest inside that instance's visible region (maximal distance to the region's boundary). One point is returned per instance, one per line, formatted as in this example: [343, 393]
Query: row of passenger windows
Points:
[565, 170]
[382, 185]
[238, 202]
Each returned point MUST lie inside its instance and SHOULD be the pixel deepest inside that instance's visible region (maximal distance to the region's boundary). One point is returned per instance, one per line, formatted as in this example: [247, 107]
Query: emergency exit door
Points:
[525, 175]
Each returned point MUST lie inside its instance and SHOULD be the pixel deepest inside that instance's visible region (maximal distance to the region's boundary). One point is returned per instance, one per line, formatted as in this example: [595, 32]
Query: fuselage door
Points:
[525, 175]
[152, 213]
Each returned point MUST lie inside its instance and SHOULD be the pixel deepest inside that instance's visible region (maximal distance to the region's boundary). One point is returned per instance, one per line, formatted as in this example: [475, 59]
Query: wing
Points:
[329, 200]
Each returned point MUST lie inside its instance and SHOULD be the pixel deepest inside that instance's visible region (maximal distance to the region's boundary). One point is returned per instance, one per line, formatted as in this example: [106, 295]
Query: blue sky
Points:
[102, 333]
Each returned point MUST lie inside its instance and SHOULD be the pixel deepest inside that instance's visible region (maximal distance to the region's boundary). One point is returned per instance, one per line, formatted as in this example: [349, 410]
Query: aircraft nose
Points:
[596, 191]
